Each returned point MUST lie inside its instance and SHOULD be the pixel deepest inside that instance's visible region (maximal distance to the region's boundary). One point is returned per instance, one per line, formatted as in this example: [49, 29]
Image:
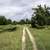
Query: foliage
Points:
[3, 20]
[14, 22]
[28, 21]
[9, 21]
[22, 21]
[41, 16]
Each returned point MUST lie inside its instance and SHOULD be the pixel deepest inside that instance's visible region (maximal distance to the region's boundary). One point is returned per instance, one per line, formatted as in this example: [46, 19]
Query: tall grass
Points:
[11, 40]
[4, 28]
[42, 37]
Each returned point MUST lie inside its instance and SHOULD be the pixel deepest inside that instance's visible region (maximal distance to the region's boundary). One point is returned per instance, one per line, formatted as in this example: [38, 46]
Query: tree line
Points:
[5, 21]
[41, 16]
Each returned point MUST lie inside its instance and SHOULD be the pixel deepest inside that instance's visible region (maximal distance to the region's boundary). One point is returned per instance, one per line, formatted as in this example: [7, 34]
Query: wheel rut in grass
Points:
[32, 39]
[23, 39]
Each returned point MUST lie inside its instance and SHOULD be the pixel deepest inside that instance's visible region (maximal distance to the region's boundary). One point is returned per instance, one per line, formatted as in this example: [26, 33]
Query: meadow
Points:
[10, 40]
[42, 37]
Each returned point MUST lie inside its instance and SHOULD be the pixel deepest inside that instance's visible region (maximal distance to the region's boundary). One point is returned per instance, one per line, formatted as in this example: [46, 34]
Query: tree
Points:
[41, 16]
[22, 21]
[3, 20]
[9, 21]
[33, 21]
[14, 22]
[28, 21]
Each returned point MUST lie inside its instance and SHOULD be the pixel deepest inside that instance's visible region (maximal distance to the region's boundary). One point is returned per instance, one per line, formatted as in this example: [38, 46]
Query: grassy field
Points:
[11, 40]
[42, 37]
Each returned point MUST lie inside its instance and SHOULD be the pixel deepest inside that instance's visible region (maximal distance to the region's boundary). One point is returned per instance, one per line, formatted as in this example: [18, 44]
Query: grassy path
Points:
[32, 39]
[23, 39]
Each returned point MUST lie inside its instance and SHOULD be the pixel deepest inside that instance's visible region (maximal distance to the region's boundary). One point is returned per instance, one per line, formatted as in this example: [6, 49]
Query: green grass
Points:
[11, 40]
[42, 37]
[29, 45]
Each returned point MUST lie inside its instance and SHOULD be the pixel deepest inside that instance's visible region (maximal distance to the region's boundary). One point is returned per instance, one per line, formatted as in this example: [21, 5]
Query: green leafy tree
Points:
[22, 21]
[14, 22]
[41, 16]
[28, 21]
[9, 21]
[3, 20]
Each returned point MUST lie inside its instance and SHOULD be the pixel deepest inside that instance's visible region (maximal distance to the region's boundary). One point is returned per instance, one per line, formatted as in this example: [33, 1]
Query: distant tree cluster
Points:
[41, 17]
[23, 21]
[4, 21]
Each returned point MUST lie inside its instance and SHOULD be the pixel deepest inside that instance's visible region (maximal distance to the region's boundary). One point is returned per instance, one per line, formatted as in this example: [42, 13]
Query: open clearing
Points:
[42, 37]
[12, 40]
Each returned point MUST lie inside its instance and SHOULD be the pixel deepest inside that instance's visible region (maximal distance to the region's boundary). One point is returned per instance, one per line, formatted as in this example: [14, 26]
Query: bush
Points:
[11, 29]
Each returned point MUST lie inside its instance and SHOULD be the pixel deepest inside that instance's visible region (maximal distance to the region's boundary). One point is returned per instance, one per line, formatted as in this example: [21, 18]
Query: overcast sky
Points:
[18, 9]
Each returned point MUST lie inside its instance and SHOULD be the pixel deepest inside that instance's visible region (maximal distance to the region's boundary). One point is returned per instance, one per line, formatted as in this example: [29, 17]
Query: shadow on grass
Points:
[9, 29]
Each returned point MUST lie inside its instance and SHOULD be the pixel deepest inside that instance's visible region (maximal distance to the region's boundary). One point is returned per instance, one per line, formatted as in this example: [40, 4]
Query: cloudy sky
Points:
[18, 9]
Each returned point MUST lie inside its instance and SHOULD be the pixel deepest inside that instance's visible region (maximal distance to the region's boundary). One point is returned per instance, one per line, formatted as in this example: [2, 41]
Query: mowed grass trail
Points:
[11, 40]
[29, 45]
[42, 37]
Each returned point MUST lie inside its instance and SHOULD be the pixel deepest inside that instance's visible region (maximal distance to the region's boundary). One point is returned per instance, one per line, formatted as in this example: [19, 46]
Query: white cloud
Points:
[15, 8]
[18, 9]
